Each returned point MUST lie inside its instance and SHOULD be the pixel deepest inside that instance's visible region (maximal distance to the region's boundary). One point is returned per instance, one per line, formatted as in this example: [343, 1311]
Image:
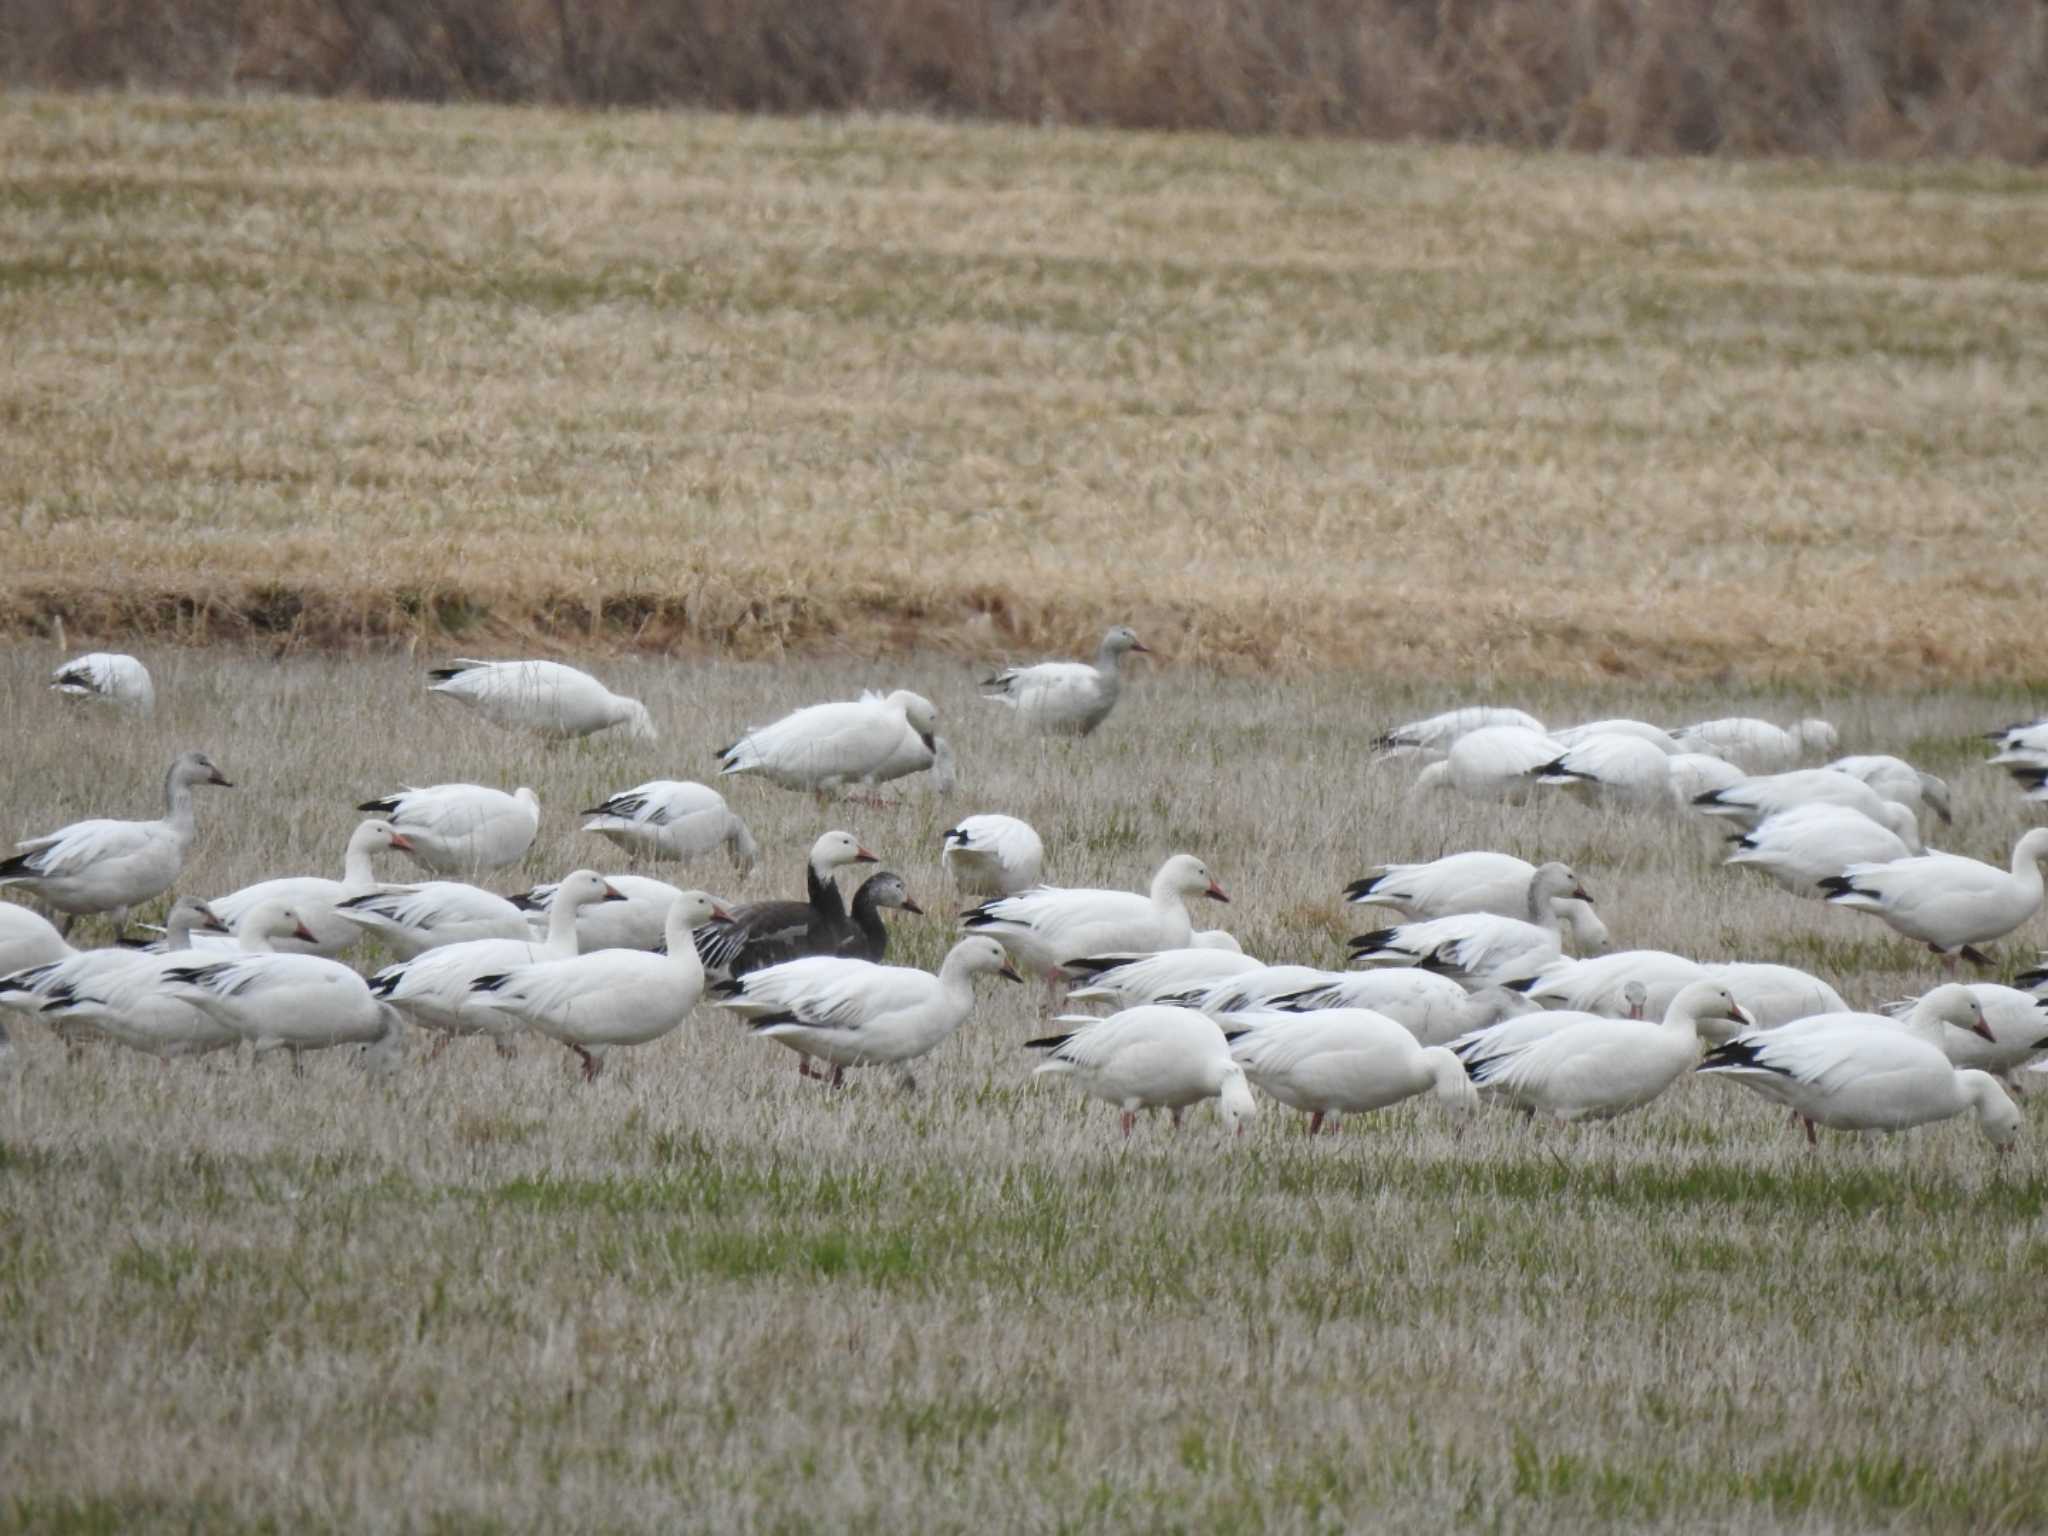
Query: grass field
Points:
[478, 1296]
[317, 372]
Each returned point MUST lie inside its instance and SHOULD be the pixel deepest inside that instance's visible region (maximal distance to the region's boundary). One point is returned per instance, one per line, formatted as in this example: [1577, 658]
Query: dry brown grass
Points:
[478, 1297]
[317, 372]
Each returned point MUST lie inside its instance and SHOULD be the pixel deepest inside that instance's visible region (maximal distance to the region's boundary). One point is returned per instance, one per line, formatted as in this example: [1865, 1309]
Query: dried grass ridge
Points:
[1806, 77]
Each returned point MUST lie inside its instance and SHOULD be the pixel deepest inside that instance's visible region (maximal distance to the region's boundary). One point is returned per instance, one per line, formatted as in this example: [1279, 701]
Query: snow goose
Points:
[2014, 1020]
[1692, 774]
[1164, 975]
[1495, 761]
[1072, 697]
[1438, 732]
[616, 997]
[1801, 847]
[120, 994]
[993, 855]
[1434, 1009]
[416, 918]
[1641, 730]
[1862, 1072]
[28, 938]
[1592, 1068]
[111, 866]
[297, 1003]
[2021, 736]
[433, 989]
[854, 1013]
[1047, 926]
[1598, 983]
[634, 917]
[1751, 800]
[458, 829]
[1480, 949]
[827, 747]
[1337, 1061]
[1460, 883]
[1949, 903]
[1611, 768]
[769, 932]
[314, 897]
[1775, 994]
[1896, 779]
[545, 697]
[110, 676]
[676, 819]
[28, 988]
[1758, 745]
[1152, 1057]
[912, 755]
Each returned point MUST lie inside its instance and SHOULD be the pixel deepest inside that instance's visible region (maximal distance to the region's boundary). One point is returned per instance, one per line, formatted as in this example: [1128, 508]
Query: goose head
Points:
[1186, 875]
[375, 836]
[585, 886]
[1955, 1004]
[1235, 1100]
[1707, 1000]
[1934, 790]
[920, 712]
[980, 955]
[1997, 1116]
[1120, 641]
[836, 850]
[190, 915]
[198, 768]
[1589, 934]
[1636, 998]
[269, 920]
[1550, 883]
[690, 911]
[2033, 846]
[887, 890]
[633, 715]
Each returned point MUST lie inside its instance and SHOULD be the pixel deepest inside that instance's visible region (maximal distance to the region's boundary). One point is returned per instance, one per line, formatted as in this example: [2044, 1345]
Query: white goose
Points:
[1769, 994]
[2023, 737]
[416, 918]
[855, 1014]
[1862, 1072]
[314, 897]
[636, 917]
[1775, 994]
[1896, 779]
[616, 997]
[1593, 1068]
[1693, 774]
[1337, 1061]
[1154, 1057]
[1481, 949]
[1642, 730]
[1068, 696]
[28, 989]
[993, 855]
[110, 676]
[913, 756]
[1611, 768]
[1751, 800]
[827, 747]
[1807, 844]
[111, 866]
[1495, 761]
[1461, 883]
[1438, 732]
[458, 829]
[1166, 975]
[1758, 745]
[28, 938]
[297, 1003]
[674, 819]
[1047, 926]
[1949, 903]
[1434, 1009]
[121, 994]
[545, 697]
[2014, 1020]
[433, 989]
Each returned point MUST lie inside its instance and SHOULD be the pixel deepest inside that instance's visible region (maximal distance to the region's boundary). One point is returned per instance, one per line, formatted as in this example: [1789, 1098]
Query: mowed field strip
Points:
[325, 371]
[480, 1296]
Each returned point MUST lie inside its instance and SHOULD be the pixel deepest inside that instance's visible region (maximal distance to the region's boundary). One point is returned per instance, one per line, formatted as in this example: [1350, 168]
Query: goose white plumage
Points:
[120, 994]
[545, 697]
[1769, 994]
[1153, 1057]
[1481, 949]
[993, 855]
[1437, 732]
[110, 676]
[827, 747]
[1338, 1061]
[314, 897]
[912, 756]
[459, 829]
[416, 918]
[1434, 1009]
[855, 1014]
[1801, 847]
[676, 819]
[2015, 1024]
[1949, 903]
[1071, 697]
[614, 998]
[1047, 926]
[1896, 779]
[28, 938]
[1642, 730]
[635, 917]
[1162, 976]
[1587, 1067]
[1495, 761]
[1692, 774]
[1758, 745]
[111, 866]
[1751, 800]
[1610, 767]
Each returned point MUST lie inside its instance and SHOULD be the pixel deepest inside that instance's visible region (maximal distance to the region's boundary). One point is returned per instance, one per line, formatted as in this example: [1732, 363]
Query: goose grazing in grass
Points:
[676, 819]
[913, 756]
[634, 917]
[617, 997]
[993, 855]
[1590, 1068]
[1162, 976]
[853, 1013]
[1896, 779]
[28, 938]
[1611, 768]
[1769, 994]
[2014, 1022]
[1481, 949]
[1434, 1009]
[111, 866]
[824, 748]
[1495, 762]
[1863, 1072]
[1949, 903]
[415, 918]
[458, 829]
[315, 898]
[544, 697]
[1438, 732]
[109, 676]
[1048, 926]
[120, 994]
[1751, 800]
[1337, 1061]
[433, 989]
[1069, 697]
[1758, 745]
[1692, 774]
[1154, 1057]
[1801, 847]
[763, 933]
[297, 1003]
